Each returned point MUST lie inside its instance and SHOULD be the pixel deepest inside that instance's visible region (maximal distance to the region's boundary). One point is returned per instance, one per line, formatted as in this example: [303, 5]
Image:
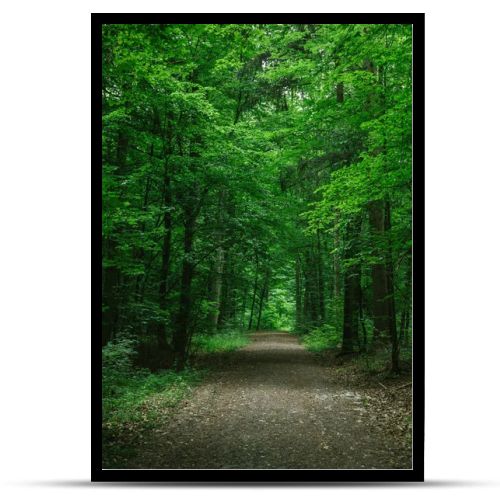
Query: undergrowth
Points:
[132, 399]
[327, 340]
[322, 338]
[224, 341]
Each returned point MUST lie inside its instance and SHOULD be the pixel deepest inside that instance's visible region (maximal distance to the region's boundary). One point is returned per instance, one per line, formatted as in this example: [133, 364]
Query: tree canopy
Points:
[256, 176]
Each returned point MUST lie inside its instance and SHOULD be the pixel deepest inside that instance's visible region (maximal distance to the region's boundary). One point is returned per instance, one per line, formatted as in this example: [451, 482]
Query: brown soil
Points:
[274, 405]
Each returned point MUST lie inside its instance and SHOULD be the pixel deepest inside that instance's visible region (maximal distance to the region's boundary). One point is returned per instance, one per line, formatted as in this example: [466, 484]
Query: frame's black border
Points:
[257, 476]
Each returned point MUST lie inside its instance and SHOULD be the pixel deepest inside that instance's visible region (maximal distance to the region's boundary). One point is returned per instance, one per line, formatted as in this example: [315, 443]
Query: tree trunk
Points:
[311, 309]
[352, 290]
[402, 323]
[216, 288]
[351, 304]
[321, 283]
[336, 265]
[362, 321]
[407, 326]
[181, 334]
[244, 305]
[298, 296]
[255, 286]
[165, 258]
[340, 92]
[216, 282]
[263, 294]
[380, 304]
[306, 303]
[110, 285]
[390, 290]
[140, 253]
[112, 277]
[407, 300]
[228, 298]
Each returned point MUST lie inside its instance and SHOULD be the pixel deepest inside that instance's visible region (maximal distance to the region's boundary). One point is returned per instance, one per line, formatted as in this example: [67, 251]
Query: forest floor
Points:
[275, 405]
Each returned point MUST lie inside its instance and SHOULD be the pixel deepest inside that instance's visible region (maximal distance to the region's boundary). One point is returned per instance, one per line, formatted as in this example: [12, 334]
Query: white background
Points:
[45, 248]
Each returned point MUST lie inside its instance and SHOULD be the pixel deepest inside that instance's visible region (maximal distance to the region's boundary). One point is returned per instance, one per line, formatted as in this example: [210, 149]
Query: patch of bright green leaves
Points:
[220, 342]
[322, 338]
[133, 398]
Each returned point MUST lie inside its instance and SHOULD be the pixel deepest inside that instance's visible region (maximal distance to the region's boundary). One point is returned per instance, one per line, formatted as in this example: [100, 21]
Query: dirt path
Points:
[271, 405]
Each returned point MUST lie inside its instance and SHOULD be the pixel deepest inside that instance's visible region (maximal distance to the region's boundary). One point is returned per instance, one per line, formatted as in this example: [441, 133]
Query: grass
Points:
[135, 400]
[321, 339]
[220, 342]
[124, 397]
[327, 339]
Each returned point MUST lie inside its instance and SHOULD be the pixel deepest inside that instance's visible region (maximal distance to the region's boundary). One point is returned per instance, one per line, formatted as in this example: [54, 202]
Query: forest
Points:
[255, 177]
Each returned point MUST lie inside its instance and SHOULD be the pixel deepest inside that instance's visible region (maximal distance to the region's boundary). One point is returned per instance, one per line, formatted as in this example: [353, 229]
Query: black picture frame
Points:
[267, 476]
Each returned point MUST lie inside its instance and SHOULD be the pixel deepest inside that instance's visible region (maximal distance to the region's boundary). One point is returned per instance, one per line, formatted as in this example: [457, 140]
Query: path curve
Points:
[271, 405]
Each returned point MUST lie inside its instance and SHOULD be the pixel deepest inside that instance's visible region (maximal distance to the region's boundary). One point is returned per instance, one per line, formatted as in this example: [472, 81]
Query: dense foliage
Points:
[255, 177]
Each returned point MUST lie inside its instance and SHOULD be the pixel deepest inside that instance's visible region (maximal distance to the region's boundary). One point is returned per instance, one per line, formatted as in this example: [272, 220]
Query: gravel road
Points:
[271, 405]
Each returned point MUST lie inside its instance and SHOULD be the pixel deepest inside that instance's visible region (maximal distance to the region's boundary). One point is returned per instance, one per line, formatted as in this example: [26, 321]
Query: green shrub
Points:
[132, 398]
[219, 342]
[375, 361]
[322, 338]
[124, 398]
[118, 356]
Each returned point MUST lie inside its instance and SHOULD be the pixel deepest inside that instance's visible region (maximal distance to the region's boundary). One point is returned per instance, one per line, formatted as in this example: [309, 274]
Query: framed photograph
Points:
[258, 187]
